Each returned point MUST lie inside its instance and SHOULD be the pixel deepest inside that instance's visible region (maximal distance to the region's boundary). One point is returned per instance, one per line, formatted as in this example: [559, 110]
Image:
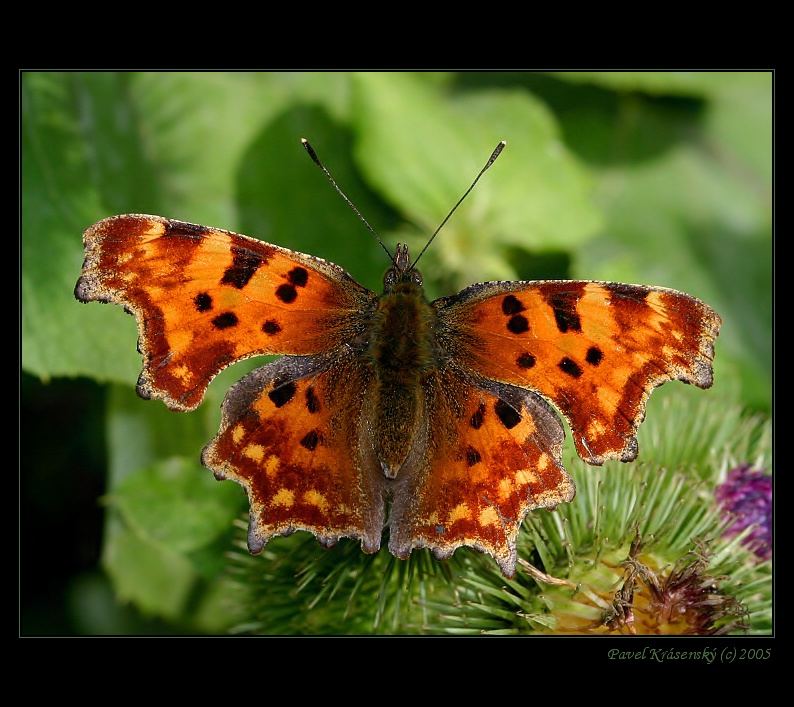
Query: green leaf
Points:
[685, 185]
[284, 198]
[153, 577]
[687, 223]
[61, 197]
[98, 144]
[169, 515]
[676, 83]
[422, 148]
[142, 432]
[177, 504]
[738, 131]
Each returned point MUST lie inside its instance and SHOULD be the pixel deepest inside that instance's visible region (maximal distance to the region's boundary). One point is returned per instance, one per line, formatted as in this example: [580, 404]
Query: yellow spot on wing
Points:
[255, 452]
[595, 429]
[271, 465]
[543, 461]
[525, 476]
[489, 516]
[459, 512]
[237, 433]
[182, 372]
[505, 489]
[315, 498]
[284, 497]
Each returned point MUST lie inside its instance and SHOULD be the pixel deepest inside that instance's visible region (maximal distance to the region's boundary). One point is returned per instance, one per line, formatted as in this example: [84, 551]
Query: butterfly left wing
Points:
[594, 349]
[489, 454]
[205, 298]
[293, 435]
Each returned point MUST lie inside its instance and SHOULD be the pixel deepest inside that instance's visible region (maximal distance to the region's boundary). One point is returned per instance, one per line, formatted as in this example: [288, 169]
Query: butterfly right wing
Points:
[489, 454]
[596, 350]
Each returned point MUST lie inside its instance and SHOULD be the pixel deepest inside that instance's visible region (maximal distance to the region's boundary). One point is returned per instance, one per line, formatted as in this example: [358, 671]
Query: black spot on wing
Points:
[564, 307]
[180, 229]
[312, 401]
[282, 395]
[526, 360]
[630, 292]
[512, 305]
[594, 356]
[298, 276]
[570, 367]
[244, 264]
[225, 320]
[311, 440]
[286, 293]
[478, 417]
[506, 414]
[518, 324]
[472, 456]
[271, 326]
[203, 302]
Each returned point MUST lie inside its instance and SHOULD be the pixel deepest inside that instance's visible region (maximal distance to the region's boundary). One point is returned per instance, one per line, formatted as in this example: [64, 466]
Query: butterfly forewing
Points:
[594, 349]
[205, 298]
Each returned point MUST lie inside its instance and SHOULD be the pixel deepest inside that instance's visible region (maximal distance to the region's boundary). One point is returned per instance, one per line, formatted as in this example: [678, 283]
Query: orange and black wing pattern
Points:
[491, 454]
[292, 435]
[594, 349]
[205, 298]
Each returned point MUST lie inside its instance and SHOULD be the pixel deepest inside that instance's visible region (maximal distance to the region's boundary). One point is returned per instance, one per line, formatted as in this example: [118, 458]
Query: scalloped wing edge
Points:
[704, 374]
[564, 492]
[284, 370]
[91, 288]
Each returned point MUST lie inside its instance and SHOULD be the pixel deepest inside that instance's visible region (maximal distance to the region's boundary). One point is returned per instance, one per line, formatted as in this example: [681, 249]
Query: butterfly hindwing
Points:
[205, 298]
[490, 453]
[291, 434]
[594, 349]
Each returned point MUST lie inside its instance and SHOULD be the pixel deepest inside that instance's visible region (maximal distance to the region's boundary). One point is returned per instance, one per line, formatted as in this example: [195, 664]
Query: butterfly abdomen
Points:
[401, 353]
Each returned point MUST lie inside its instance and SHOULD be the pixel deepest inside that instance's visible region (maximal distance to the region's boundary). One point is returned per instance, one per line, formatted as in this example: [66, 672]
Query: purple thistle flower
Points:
[746, 496]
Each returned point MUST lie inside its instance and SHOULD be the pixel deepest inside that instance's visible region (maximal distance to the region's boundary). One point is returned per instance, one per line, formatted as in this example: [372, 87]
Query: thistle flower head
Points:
[746, 497]
[682, 600]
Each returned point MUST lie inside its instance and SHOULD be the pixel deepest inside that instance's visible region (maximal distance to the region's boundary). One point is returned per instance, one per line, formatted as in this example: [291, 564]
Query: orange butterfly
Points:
[440, 409]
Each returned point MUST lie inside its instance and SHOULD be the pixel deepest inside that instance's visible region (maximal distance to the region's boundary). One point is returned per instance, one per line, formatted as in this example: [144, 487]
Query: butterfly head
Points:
[401, 273]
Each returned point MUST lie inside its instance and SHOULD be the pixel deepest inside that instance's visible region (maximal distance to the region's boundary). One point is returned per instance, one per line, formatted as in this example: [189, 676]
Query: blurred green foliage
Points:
[655, 178]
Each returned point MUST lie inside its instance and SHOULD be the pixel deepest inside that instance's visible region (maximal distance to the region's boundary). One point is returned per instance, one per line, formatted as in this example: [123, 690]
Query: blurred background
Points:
[653, 178]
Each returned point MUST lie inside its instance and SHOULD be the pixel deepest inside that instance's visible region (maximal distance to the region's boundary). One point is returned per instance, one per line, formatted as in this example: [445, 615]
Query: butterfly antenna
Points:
[316, 161]
[497, 151]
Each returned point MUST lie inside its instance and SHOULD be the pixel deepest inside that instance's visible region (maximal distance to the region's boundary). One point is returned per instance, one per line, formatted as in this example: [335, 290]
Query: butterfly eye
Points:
[389, 279]
[416, 277]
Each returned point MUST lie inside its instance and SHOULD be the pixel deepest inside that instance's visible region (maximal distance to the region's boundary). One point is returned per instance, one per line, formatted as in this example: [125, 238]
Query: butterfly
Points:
[443, 412]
